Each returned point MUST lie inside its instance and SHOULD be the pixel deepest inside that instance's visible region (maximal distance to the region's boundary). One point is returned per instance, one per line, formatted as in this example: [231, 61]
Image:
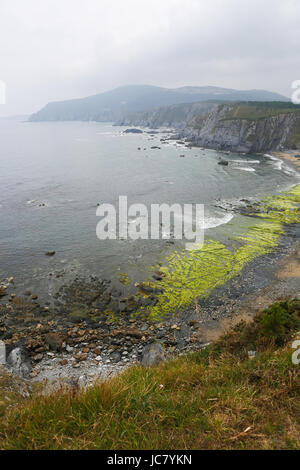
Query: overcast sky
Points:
[59, 49]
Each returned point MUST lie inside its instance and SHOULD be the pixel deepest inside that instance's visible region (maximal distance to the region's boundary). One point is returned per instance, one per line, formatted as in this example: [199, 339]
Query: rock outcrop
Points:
[243, 127]
[19, 362]
[220, 132]
[153, 354]
[177, 116]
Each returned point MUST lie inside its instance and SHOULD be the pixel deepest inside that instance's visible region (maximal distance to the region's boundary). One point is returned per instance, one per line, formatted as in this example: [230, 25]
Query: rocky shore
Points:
[291, 156]
[90, 331]
[237, 127]
[56, 342]
[42, 345]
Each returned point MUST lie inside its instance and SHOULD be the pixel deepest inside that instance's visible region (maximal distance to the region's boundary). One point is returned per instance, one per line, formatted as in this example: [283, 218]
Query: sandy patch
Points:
[212, 333]
[290, 156]
[281, 287]
[291, 269]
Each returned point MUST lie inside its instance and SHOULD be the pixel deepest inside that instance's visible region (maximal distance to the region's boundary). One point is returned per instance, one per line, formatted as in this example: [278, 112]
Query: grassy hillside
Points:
[217, 398]
[254, 111]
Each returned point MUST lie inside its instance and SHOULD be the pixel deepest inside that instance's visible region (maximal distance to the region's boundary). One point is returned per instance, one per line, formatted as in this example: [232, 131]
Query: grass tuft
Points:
[216, 398]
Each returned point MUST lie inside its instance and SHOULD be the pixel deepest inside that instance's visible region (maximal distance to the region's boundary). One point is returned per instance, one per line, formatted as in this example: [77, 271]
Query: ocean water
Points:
[70, 167]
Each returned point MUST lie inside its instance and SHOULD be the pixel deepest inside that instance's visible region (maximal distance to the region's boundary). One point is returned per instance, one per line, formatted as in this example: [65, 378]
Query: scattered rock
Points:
[3, 291]
[50, 253]
[38, 357]
[34, 373]
[133, 131]
[152, 355]
[148, 290]
[115, 357]
[130, 332]
[55, 341]
[195, 324]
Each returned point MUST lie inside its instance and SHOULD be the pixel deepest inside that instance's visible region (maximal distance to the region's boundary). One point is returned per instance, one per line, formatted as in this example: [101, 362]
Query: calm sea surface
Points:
[72, 166]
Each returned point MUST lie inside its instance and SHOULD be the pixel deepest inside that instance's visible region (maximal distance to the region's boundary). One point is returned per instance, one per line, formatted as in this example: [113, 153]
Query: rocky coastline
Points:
[92, 332]
[56, 349]
[236, 127]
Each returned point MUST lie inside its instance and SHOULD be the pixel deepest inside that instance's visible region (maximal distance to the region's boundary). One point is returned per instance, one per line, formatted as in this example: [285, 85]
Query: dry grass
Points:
[213, 399]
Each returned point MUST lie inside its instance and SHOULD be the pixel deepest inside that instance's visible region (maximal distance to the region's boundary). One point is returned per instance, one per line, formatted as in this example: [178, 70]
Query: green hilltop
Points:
[254, 110]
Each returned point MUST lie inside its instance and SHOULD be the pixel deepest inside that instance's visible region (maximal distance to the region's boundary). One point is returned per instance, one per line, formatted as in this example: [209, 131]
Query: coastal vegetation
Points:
[253, 110]
[241, 392]
[189, 275]
[249, 126]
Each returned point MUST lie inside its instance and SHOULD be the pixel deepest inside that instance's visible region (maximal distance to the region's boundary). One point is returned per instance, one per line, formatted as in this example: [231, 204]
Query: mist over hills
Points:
[116, 104]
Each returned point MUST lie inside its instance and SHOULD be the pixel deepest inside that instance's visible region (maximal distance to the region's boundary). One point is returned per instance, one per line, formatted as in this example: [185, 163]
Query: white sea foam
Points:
[290, 171]
[246, 161]
[212, 221]
[277, 162]
[245, 168]
[282, 166]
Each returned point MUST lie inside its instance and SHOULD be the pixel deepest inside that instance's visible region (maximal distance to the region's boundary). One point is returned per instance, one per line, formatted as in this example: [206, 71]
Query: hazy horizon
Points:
[125, 85]
[52, 51]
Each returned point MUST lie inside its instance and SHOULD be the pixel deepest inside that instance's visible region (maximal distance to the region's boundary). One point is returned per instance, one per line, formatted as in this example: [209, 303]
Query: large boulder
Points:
[55, 341]
[133, 131]
[152, 355]
[19, 363]
[3, 291]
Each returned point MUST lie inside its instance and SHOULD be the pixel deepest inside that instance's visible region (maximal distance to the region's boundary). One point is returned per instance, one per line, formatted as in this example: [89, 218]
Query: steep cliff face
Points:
[220, 131]
[176, 116]
[243, 126]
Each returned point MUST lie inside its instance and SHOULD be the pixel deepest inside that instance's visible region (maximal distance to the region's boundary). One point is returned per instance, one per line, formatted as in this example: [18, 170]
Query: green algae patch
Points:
[124, 279]
[189, 275]
[79, 313]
